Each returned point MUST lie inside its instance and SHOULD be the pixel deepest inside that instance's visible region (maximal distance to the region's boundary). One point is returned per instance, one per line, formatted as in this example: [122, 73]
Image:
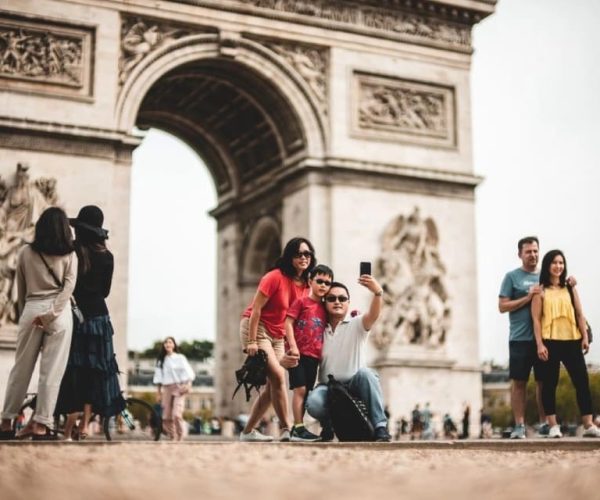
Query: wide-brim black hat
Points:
[91, 219]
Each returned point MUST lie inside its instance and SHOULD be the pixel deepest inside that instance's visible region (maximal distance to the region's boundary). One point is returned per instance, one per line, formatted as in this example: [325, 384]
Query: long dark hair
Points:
[545, 270]
[86, 243]
[52, 233]
[285, 262]
[163, 352]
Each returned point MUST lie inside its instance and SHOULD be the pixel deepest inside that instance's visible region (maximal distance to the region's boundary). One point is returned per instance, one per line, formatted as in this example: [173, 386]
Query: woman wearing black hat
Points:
[91, 380]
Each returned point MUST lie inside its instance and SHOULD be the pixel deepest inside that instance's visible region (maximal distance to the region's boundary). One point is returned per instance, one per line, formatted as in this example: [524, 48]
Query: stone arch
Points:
[262, 245]
[225, 59]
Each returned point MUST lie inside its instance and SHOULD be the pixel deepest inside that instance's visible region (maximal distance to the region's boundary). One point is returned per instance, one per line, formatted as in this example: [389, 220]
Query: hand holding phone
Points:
[365, 268]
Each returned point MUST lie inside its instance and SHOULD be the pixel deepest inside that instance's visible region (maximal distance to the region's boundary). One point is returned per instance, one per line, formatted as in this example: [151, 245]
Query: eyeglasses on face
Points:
[339, 298]
[319, 281]
[299, 255]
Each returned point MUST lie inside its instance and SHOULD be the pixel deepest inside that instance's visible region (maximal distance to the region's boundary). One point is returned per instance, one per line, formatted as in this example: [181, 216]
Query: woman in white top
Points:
[173, 376]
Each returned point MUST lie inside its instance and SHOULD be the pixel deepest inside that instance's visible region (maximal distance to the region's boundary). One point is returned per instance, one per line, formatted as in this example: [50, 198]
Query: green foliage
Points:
[567, 410]
[197, 350]
[501, 416]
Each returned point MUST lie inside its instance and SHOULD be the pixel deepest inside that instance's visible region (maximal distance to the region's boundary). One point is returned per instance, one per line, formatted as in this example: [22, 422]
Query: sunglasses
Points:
[333, 298]
[319, 281]
[299, 255]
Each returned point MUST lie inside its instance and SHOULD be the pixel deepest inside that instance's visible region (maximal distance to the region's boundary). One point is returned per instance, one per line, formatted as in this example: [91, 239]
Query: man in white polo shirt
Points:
[344, 357]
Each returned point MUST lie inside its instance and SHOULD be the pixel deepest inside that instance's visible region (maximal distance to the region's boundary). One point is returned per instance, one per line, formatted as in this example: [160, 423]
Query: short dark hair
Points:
[285, 262]
[320, 269]
[53, 234]
[337, 284]
[527, 240]
[545, 269]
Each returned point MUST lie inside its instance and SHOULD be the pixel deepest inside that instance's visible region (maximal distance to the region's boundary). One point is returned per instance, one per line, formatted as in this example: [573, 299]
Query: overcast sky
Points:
[535, 105]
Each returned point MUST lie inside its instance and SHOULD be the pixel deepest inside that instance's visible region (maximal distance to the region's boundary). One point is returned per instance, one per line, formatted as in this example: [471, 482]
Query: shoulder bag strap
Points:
[56, 280]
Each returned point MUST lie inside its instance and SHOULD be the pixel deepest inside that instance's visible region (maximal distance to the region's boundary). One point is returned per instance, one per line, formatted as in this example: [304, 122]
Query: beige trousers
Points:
[173, 401]
[53, 344]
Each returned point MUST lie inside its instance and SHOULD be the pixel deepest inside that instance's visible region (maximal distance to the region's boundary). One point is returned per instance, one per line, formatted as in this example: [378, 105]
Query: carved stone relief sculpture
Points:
[392, 108]
[440, 29]
[45, 57]
[140, 37]
[416, 303]
[20, 206]
[310, 62]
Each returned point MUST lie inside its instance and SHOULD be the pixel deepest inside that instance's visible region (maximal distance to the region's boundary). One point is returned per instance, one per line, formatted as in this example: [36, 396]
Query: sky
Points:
[535, 101]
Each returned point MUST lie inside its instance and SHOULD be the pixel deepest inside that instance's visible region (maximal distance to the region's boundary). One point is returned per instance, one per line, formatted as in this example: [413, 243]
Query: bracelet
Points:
[251, 342]
[379, 293]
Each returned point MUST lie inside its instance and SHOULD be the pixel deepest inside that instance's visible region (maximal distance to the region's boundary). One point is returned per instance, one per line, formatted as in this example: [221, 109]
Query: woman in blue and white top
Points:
[173, 376]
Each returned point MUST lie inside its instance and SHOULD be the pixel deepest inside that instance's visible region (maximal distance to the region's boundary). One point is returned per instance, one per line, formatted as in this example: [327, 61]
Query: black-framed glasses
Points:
[299, 255]
[339, 298]
[319, 281]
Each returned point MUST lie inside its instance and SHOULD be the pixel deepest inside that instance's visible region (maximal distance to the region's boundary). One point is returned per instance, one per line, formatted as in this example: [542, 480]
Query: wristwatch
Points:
[379, 293]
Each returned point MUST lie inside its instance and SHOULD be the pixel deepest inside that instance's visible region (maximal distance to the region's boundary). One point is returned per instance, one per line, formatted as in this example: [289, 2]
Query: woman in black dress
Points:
[91, 382]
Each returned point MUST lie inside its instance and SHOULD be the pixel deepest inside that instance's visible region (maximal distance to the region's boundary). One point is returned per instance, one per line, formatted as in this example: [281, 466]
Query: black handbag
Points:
[252, 374]
[587, 325]
[78, 317]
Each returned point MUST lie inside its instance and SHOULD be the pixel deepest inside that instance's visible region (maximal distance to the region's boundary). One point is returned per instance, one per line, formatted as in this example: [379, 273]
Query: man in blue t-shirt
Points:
[517, 289]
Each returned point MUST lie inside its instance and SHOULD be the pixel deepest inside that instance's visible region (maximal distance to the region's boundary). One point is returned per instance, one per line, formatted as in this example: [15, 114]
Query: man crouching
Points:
[344, 357]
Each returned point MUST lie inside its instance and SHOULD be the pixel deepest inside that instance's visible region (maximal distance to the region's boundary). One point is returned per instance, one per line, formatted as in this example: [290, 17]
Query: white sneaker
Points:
[555, 432]
[284, 437]
[254, 436]
[591, 432]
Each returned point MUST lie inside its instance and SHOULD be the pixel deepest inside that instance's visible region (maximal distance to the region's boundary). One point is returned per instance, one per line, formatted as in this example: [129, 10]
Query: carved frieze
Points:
[397, 109]
[311, 62]
[424, 22]
[141, 37]
[47, 57]
[416, 308]
[21, 204]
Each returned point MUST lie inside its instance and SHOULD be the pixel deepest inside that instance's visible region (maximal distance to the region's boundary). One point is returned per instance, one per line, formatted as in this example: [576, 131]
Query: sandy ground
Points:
[169, 471]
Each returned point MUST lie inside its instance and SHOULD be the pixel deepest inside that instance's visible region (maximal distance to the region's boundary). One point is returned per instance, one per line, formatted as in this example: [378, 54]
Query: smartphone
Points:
[365, 268]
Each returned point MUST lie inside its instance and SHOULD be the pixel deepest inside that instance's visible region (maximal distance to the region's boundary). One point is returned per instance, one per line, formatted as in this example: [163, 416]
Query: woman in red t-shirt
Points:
[263, 327]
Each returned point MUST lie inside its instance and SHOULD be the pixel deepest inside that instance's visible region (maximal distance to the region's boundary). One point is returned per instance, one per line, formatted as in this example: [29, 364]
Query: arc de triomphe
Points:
[347, 121]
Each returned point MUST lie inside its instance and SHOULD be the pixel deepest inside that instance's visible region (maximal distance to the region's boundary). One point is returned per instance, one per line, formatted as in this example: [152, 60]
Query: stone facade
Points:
[332, 119]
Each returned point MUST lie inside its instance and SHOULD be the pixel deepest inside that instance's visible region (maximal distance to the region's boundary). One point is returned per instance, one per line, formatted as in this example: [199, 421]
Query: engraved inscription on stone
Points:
[45, 57]
[310, 62]
[139, 38]
[416, 303]
[396, 109]
[20, 207]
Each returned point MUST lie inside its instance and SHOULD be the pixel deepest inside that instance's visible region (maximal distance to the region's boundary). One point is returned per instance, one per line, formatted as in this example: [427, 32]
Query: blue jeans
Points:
[364, 384]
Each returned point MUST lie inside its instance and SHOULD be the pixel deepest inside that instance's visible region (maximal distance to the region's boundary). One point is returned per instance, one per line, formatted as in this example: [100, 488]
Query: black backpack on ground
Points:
[252, 374]
[349, 414]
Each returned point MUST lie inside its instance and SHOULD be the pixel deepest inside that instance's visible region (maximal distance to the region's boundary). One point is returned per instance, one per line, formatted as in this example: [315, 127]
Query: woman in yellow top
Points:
[561, 336]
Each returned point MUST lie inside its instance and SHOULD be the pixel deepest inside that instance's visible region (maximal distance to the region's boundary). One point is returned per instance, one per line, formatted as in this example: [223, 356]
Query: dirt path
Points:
[246, 471]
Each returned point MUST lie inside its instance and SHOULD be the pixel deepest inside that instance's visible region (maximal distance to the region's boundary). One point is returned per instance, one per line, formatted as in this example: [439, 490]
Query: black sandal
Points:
[47, 436]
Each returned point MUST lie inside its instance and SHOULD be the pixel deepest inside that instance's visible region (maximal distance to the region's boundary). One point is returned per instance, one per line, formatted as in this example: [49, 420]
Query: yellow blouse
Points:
[558, 316]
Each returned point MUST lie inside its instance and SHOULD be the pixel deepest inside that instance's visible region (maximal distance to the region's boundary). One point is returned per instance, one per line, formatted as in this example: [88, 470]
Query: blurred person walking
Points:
[173, 376]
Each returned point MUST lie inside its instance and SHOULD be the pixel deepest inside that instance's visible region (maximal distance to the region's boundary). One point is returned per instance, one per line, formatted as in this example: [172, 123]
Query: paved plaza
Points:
[532, 469]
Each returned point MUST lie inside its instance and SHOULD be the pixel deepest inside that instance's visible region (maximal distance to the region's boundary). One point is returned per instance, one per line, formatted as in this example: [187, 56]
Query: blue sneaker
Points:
[518, 432]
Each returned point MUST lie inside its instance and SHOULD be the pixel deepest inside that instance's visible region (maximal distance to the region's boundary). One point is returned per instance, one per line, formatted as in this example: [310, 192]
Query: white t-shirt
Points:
[175, 370]
[344, 350]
